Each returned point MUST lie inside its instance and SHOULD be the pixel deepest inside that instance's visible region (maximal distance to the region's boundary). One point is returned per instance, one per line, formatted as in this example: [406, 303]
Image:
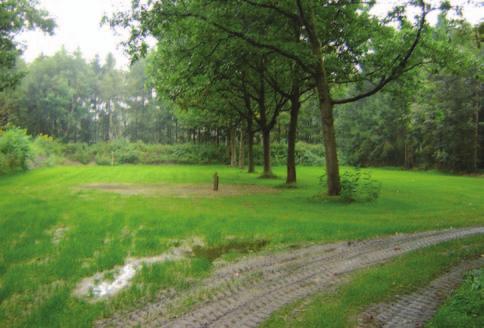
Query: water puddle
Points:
[213, 253]
[99, 287]
[106, 284]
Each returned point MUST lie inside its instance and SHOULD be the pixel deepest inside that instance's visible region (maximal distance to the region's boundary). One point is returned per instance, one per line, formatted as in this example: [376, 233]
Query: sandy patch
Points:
[178, 190]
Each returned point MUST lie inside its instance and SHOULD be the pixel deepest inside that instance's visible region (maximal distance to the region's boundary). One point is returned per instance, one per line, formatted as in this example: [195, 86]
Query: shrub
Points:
[15, 150]
[357, 186]
[306, 154]
[309, 154]
[46, 151]
[79, 152]
[3, 164]
[124, 152]
[118, 151]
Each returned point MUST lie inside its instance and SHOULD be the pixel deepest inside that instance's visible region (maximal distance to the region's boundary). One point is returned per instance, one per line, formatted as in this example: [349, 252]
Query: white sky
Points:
[78, 26]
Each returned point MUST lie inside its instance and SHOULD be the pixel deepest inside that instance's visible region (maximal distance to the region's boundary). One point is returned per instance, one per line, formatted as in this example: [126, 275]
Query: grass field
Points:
[54, 233]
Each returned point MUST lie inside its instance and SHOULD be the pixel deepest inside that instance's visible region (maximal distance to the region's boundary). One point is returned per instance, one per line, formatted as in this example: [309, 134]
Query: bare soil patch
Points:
[58, 233]
[179, 190]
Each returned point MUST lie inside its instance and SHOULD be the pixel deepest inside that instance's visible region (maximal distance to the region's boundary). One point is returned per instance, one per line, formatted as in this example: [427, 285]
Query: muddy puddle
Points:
[103, 285]
[213, 253]
[99, 286]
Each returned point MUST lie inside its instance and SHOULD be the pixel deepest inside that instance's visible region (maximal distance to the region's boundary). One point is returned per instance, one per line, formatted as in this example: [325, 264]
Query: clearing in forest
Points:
[55, 235]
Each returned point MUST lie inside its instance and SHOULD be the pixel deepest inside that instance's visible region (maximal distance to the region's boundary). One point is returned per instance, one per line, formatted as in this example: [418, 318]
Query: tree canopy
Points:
[17, 16]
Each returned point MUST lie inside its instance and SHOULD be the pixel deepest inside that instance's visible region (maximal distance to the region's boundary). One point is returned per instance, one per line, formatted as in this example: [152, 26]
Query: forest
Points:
[259, 163]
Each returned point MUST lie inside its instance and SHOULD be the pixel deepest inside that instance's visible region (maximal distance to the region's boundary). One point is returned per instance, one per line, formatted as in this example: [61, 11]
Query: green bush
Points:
[46, 151]
[3, 164]
[309, 154]
[306, 154]
[15, 150]
[356, 186]
[124, 152]
[79, 152]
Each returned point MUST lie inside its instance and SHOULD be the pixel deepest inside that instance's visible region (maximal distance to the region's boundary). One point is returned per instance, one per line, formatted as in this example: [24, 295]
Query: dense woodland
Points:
[366, 90]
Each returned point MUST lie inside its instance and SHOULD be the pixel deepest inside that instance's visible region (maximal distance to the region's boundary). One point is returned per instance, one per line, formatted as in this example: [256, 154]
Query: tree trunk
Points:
[176, 131]
[408, 155]
[476, 134]
[250, 146]
[331, 156]
[325, 110]
[107, 128]
[291, 141]
[266, 142]
[241, 148]
[233, 147]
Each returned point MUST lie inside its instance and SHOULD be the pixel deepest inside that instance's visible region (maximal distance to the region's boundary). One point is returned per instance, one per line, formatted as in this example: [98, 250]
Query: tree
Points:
[429, 118]
[17, 16]
[54, 97]
[339, 43]
[111, 82]
[232, 83]
[451, 103]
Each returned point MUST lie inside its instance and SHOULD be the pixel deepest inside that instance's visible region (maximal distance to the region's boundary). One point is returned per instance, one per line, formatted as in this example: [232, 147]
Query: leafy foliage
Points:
[15, 150]
[431, 118]
[17, 16]
[46, 151]
[122, 151]
[357, 185]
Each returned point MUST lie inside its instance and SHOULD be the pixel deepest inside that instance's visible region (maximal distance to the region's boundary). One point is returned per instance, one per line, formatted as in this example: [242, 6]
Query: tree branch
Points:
[396, 71]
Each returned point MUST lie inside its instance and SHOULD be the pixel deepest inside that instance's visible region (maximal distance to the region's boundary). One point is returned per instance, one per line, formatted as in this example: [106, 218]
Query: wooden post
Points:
[215, 181]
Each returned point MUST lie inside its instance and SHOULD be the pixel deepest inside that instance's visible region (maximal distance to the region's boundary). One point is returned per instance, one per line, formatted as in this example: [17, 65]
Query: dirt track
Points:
[245, 293]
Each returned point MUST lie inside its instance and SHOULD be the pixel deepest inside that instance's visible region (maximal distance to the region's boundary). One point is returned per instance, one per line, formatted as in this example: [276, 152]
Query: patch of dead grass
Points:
[179, 190]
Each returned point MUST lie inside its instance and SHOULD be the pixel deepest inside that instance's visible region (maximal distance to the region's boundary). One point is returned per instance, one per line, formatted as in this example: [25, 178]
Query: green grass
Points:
[37, 276]
[341, 307]
[466, 306]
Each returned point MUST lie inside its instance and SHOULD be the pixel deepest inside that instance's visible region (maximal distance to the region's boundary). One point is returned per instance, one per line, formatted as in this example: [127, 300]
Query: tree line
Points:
[373, 90]
[251, 60]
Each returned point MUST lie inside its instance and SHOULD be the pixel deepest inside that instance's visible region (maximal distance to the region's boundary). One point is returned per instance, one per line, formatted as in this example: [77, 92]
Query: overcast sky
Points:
[78, 26]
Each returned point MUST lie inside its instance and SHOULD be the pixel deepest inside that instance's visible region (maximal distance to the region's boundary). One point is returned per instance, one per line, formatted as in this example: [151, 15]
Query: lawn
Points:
[54, 232]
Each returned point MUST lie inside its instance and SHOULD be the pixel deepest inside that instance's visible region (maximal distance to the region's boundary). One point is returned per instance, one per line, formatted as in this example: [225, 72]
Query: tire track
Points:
[413, 310]
[244, 294]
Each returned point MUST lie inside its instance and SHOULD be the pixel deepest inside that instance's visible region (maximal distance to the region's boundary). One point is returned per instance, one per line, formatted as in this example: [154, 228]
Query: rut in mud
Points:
[245, 293]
